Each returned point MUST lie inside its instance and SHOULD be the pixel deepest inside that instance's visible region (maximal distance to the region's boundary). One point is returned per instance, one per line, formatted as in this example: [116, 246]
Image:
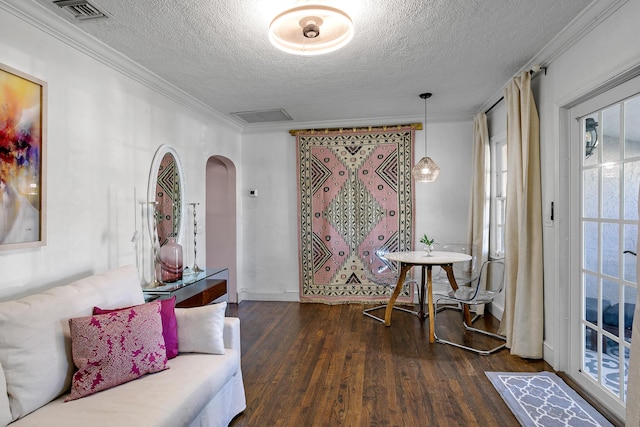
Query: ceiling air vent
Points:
[263, 116]
[80, 9]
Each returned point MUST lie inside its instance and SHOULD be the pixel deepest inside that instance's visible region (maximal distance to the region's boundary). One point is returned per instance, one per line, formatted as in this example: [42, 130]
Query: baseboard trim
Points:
[268, 296]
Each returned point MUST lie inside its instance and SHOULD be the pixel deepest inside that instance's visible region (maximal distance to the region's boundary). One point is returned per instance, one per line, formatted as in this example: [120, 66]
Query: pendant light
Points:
[426, 170]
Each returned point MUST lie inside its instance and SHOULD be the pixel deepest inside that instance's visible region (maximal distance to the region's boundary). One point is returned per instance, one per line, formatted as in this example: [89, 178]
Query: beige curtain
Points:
[523, 321]
[479, 206]
[633, 392]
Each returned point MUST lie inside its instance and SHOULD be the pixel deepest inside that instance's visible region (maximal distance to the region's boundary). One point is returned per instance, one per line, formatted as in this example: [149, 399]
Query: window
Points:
[498, 156]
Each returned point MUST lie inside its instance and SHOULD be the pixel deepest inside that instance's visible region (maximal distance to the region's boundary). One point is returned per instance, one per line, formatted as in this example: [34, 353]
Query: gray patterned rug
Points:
[543, 399]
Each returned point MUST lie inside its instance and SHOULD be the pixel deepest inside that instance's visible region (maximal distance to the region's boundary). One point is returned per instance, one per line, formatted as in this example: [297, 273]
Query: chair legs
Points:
[470, 329]
[458, 307]
[367, 312]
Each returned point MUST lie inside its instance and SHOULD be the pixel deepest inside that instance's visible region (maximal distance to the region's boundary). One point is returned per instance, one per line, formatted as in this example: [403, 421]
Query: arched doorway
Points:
[221, 219]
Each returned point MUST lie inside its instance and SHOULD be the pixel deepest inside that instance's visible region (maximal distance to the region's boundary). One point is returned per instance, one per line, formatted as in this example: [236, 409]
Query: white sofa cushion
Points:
[200, 329]
[5, 412]
[174, 397]
[35, 348]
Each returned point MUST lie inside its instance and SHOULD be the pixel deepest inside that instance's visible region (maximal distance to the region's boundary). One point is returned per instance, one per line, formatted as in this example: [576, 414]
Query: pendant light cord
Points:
[425, 127]
[425, 96]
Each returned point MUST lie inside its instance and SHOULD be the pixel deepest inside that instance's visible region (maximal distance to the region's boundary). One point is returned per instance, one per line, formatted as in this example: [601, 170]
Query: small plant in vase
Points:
[428, 244]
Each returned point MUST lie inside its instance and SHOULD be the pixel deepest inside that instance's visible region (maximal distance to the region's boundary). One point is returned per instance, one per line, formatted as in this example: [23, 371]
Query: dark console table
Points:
[195, 290]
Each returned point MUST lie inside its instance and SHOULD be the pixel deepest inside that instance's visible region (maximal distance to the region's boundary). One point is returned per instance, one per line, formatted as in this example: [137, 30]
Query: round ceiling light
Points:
[311, 29]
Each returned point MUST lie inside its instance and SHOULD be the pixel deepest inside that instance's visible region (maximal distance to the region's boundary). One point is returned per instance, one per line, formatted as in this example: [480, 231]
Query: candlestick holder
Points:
[155, 246]
[195, 268]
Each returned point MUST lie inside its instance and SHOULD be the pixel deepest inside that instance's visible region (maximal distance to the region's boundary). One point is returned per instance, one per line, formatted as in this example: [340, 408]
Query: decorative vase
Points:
[428, 249]
[171, 261]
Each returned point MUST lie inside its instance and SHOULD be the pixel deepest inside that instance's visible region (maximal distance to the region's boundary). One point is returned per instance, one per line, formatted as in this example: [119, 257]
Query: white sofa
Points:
[36, 366]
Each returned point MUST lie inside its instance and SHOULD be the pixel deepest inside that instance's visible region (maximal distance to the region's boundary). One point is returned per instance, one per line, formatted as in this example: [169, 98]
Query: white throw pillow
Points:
[200, 329]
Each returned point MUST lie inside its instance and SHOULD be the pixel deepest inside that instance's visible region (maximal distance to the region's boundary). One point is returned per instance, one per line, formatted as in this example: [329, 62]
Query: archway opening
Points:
[220, 219]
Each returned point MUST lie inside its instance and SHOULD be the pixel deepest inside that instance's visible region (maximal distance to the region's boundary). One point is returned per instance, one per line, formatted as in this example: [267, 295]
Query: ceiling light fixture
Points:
[426, 170]
[311, 29]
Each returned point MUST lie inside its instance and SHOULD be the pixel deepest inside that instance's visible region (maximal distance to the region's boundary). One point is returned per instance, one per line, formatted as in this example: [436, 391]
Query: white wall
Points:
[103, 130]
[270, 240]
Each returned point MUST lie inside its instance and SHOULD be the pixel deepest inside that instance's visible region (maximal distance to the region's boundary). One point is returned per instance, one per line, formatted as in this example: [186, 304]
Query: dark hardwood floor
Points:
[322, 365]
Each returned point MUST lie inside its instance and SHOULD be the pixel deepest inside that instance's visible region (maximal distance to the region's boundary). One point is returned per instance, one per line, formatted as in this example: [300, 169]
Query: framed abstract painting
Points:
[23, 115]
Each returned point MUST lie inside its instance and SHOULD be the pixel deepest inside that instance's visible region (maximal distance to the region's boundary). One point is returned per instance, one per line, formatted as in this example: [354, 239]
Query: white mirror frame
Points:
[151, 189]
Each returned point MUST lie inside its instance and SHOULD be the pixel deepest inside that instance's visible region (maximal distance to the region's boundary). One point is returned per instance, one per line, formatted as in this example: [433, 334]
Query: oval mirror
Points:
[167, 190]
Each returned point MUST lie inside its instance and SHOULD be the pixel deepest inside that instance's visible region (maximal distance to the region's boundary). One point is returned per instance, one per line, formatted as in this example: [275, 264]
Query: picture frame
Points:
[23, 149]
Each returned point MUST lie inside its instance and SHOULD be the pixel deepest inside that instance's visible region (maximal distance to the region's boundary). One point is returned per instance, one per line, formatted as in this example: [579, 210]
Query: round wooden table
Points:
[410, 259]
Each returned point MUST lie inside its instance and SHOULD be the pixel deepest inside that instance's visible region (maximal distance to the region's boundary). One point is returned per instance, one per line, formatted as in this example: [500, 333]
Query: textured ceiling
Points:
[463, 51]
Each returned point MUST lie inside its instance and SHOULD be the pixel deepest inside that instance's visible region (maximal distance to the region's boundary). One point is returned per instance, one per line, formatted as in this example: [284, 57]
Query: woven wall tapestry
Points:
[355, 193]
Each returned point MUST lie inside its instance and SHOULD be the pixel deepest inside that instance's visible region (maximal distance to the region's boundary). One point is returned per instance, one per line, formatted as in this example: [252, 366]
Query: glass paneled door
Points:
[608, 229]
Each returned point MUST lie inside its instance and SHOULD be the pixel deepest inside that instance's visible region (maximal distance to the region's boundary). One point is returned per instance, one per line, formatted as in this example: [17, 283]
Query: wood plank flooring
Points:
[322, 365]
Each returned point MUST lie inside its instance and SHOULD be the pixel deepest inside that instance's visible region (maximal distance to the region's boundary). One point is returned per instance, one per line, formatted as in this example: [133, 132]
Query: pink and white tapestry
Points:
[355, 194]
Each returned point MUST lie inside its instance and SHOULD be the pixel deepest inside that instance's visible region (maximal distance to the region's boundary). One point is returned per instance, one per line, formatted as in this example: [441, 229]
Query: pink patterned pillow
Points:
[169, 324]
[114, 348]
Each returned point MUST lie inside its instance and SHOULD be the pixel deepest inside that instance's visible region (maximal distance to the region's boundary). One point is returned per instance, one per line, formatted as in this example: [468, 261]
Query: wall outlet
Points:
[253, 192]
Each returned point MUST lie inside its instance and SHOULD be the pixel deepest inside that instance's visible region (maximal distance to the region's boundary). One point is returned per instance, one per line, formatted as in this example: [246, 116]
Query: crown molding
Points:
[38, 16]
[586, 21]
[581, 25]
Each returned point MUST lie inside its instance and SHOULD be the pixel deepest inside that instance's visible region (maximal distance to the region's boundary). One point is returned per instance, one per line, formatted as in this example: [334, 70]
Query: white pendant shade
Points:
[426, 170]
[311, 29]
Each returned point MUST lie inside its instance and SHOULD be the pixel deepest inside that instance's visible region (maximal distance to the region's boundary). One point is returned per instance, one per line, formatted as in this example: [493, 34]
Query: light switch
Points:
[253, 192]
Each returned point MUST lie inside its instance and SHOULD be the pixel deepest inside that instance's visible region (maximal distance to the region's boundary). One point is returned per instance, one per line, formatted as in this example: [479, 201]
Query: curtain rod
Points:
[414, 126]
[534, 71]
[494, 104]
